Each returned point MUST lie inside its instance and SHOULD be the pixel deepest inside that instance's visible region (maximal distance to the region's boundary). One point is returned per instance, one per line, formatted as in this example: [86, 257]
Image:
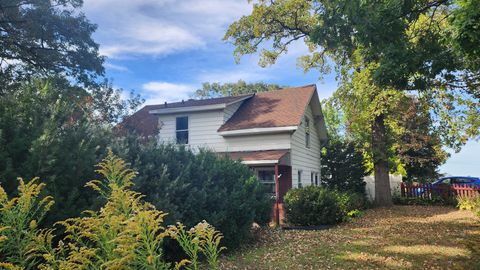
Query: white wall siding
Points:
[202, 129]
[305, 159]
[395, 181]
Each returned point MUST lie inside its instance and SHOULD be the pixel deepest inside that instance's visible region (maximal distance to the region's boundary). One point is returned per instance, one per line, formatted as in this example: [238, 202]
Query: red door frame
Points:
[277, 197]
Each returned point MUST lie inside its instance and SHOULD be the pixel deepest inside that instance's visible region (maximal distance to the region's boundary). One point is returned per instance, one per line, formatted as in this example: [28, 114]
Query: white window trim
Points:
[180, 130]
[307, 132]
[299, 176]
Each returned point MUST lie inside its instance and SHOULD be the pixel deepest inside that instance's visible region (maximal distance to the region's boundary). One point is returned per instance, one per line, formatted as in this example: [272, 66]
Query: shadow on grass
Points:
[434, 242]
[401, 237]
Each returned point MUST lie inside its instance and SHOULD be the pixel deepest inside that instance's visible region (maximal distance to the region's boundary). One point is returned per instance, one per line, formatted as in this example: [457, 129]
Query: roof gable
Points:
[275, 109]
[281, 108]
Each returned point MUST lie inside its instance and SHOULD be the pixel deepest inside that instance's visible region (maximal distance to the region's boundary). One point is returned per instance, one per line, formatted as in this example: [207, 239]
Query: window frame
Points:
[266, 183]
[299, 175]
[307, 132]
[177, 131]
[461, 181]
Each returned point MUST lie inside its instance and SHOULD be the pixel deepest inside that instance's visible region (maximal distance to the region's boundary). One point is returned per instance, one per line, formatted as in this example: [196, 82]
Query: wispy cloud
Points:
[159, 27]
[156, 92]
[115, 67]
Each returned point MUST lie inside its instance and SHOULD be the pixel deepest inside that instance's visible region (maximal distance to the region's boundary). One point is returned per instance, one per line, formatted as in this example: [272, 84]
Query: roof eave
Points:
[256, 131]
[260, 162]
[198, 108]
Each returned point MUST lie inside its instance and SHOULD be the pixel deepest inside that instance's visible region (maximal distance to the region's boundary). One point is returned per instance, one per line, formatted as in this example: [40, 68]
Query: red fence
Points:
[428, 191]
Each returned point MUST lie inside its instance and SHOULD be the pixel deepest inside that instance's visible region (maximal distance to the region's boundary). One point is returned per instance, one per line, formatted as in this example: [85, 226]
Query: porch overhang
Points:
[259, 158]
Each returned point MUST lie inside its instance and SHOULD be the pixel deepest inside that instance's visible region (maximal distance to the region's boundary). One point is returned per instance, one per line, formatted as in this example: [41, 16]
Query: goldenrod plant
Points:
[19, 217]
[203, 238]
[126, 233]
[469, 203]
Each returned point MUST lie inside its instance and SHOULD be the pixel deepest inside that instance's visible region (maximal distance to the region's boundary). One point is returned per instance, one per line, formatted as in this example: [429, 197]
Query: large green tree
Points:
[380, 49]
[212, 90]
[41, 37]
[419, 147]
[46, 130]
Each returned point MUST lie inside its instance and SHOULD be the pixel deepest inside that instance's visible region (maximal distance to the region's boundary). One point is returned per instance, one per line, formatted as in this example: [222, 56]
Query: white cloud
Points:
[160, 27]
[115, 67]
[157, 92]
[230, 76]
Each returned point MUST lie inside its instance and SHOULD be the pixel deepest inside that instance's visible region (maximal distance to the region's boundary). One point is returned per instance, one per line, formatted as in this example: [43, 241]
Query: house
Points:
[278, 134]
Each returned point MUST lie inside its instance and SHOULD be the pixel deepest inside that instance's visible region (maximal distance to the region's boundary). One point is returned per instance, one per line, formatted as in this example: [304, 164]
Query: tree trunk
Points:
[383, 196]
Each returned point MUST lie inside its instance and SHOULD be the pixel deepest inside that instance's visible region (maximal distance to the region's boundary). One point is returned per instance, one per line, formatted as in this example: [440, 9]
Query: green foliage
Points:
[419, 147]
[351, 203]
[58, 132]
[126, 233]
[343, 167]
[212, 90]
[19, 219]
[405, 45]
[466, 31]
[469, 203]
[47, 38]
[380, 51]
[312, 206]
[197, 186]
[201, 239]
[46, 131]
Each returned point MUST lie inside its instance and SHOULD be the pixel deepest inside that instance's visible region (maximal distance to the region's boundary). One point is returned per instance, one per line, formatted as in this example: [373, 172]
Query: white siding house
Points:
[279, 134]
[306, 158]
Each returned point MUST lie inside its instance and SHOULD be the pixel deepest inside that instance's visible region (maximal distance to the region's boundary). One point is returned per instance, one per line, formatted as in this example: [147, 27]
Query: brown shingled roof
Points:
[257, 155]
[146, 124]
[142, 122]
[279, 108]
[201, 102]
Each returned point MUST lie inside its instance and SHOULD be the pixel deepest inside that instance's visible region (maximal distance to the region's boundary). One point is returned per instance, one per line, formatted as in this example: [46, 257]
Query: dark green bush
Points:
[192, 187]
[344, 167]
[312, 205]
[351, 202]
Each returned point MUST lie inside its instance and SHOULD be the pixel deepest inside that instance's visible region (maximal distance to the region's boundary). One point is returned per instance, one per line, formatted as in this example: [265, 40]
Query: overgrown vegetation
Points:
[197, 186]
[344, 167]
[126, 233]
[313, 205]
[469, 203]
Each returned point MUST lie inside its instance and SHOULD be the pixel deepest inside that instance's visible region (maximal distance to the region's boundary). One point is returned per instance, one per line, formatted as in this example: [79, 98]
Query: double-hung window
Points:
[267, 178]
[312, 174]
[300, 179]
[307, 132]
[182, 130]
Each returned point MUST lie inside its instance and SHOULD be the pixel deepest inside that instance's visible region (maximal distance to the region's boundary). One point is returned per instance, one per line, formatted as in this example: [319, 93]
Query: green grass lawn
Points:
[402, 237]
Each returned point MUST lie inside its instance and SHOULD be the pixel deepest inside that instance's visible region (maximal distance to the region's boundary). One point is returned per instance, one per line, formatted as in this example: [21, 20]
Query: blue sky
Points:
[165, 49]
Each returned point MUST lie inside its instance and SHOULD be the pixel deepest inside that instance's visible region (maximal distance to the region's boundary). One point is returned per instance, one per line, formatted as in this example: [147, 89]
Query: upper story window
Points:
[182, 130]
[300, 179]
[307, 132]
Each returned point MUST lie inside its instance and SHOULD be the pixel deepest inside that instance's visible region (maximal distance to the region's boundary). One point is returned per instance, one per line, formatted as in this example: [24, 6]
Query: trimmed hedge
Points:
[312, 205]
